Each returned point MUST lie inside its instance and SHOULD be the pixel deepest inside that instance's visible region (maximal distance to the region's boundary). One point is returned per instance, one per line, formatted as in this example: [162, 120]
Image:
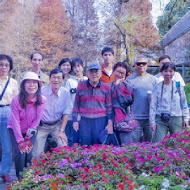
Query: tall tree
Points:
[173, 11]
[52, 31]
[132, 30]
[84, 29]
[16, 31]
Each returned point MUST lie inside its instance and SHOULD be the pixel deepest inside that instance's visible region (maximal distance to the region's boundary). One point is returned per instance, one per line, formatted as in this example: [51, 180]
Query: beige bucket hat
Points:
[32, 76]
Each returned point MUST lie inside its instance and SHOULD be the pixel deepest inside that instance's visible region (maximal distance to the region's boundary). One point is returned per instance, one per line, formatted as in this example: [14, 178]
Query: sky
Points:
[157, 8]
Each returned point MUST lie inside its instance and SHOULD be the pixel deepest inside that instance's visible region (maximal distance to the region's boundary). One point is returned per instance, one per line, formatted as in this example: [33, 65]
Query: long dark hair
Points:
[23, 95]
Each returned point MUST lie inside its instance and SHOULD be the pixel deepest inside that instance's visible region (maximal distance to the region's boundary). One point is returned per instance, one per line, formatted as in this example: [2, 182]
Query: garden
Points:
[141, 166]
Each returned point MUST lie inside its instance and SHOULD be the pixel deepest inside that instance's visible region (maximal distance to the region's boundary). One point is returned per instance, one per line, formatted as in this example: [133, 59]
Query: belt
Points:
[49, 123]
[1, 106]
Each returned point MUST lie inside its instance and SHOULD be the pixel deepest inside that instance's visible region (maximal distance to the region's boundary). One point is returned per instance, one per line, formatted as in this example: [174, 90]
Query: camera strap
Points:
[171, 94]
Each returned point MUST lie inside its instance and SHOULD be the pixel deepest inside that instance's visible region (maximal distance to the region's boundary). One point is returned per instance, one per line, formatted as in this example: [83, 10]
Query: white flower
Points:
[141, 187]
[165, 183]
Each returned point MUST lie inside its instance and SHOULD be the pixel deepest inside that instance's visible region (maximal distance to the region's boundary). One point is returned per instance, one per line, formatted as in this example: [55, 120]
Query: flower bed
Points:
[140, 166]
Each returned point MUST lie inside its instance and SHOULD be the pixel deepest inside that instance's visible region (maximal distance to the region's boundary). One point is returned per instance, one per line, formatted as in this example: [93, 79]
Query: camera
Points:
[165, 116]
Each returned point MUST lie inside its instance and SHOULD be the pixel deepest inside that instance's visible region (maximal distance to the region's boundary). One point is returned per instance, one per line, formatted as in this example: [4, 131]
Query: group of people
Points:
[74, 108]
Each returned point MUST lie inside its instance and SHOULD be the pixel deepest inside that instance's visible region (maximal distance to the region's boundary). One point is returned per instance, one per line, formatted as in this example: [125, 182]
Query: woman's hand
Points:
[186, 124]
[153, 126]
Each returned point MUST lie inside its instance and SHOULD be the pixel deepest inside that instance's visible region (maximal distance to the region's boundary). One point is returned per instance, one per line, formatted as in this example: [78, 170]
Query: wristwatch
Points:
[62, 130]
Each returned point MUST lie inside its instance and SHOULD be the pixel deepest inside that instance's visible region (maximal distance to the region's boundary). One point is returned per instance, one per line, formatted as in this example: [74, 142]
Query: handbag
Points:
[108, 139]
[126, 126]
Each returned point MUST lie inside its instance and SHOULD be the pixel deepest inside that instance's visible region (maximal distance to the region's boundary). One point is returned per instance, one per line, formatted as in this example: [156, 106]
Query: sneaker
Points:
[7, 178]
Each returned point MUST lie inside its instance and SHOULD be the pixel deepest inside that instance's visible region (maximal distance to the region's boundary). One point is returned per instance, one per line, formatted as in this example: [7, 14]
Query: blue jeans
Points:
[142, 130]
[21, 160]
[90, 128]
[5, 113]
[125, 138]
[69, 133]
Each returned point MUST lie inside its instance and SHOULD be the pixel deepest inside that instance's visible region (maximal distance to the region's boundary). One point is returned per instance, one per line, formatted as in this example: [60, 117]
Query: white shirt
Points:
[57, 105]
[177, 77]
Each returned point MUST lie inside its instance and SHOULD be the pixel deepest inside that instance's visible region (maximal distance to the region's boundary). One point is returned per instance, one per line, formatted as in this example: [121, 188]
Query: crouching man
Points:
[55, 116]
[93, 104]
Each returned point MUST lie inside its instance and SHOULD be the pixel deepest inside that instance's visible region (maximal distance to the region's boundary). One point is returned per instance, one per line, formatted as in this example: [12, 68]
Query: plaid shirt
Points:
[92, 102]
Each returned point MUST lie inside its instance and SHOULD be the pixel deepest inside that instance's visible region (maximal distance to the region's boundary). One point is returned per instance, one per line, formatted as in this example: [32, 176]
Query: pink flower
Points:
[159, 168]
[149, 157]
[141, 159]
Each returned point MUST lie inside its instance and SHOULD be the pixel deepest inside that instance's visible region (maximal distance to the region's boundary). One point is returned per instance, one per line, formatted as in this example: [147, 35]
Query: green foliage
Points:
[173, 11]
[187, 92]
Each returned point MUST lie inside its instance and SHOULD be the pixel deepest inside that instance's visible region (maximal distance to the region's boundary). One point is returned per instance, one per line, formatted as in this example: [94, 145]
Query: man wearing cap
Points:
[36, 60]
[93, 104]
[55, 116]
[142, 83]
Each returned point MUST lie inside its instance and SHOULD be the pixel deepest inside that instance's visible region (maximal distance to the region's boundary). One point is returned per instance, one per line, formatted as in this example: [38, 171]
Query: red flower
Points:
[43, 161]
[120, 186]
[105, 179]
[125, 159]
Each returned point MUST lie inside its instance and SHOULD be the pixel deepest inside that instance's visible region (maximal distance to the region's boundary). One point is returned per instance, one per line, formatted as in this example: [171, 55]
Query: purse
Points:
[126, 126]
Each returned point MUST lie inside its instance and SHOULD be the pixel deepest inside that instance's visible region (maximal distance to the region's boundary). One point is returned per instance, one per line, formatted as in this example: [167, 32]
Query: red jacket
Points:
[105, 78]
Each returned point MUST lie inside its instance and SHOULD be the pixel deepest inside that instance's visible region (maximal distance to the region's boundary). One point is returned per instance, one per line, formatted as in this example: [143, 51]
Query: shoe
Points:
[7, 178]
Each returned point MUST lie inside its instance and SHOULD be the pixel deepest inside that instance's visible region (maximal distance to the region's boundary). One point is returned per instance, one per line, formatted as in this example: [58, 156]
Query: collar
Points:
[51, 92]
[98, 85]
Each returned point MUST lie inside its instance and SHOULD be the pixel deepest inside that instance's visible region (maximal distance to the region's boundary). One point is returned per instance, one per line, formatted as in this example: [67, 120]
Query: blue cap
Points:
[94, 66]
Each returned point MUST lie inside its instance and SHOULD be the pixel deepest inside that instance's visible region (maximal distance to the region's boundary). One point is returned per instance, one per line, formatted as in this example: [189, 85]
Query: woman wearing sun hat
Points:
[27, 108]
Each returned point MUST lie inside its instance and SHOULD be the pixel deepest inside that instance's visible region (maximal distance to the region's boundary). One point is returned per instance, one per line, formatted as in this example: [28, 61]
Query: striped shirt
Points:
[92, 102]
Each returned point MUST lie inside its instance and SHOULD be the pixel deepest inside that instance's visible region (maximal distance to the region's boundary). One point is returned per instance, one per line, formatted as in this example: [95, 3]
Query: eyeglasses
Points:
[141, 63]
[4, 65]
[121, 73]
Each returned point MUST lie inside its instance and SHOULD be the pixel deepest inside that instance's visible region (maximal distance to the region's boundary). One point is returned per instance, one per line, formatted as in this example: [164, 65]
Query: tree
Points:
[84, 29]
[52, 31]
[134, 32]
[16, 31]
[173, 11]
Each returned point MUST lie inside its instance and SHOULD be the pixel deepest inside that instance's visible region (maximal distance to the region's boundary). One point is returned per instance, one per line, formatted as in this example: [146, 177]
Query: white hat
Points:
[32, 76]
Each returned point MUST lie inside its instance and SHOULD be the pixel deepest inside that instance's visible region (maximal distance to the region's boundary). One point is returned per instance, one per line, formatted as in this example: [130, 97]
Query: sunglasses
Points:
[141, 63]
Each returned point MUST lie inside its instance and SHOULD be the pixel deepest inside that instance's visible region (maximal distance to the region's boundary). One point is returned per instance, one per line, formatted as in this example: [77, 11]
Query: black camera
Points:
[165, 116]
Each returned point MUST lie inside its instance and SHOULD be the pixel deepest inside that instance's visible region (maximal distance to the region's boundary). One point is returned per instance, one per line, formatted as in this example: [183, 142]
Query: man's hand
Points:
[186, 124]
[76, 126]
[153, 126]
[109, 127]
[63, 137]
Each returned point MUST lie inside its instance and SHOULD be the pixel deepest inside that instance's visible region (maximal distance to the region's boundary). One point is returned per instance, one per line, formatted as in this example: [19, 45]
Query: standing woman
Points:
[122, 98]
[8, 89]
[168, 109]
[65, 66]
[27, 108]
[71, 84]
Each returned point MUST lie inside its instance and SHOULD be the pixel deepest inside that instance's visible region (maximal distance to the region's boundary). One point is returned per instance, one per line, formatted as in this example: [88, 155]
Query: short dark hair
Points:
[8, 58]
[164, 57]
[64, 60]
[168, 65]
[32, 55]
[55, 71]
[75, 61]
[23, 95]
[107, 49]
[123, 65]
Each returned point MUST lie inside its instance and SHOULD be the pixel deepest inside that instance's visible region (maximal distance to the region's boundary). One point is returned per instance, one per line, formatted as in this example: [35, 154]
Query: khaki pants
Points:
[43, 132]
